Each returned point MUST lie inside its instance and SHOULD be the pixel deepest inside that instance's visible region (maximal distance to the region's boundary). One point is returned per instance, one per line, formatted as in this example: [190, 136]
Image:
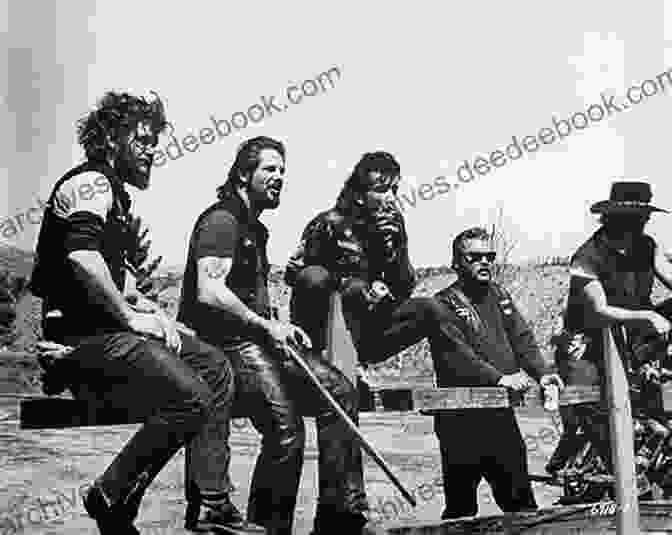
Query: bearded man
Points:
[122, 352]
[225, 299]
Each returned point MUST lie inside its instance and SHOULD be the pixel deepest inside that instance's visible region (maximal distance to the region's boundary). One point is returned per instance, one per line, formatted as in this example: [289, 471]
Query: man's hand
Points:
[650, 373]
[283, 334]
[659, 323]
[158, 326]
[518, 381]
[140, 303]
[378, 293]
[552, 379]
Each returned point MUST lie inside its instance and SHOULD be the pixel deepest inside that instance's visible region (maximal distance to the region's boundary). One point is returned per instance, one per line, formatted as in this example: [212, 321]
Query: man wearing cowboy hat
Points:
[612, 275]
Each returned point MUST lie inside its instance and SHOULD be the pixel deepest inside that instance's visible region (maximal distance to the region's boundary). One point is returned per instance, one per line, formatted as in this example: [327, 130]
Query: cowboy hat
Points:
[627, 198]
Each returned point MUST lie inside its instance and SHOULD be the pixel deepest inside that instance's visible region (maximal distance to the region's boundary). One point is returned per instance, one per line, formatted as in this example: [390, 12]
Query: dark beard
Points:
[128, 171]
[473, 285]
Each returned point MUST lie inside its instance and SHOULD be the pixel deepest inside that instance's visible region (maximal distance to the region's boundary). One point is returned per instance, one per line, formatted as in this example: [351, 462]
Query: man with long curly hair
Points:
[225, 299]
[359, 247]
[131, 358]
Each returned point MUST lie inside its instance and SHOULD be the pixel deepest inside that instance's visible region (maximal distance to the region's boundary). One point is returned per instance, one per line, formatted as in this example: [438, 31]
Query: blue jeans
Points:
[184, 400]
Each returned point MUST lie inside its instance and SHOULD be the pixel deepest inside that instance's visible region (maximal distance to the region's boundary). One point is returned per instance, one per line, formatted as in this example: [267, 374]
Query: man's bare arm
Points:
[213, 291]
[601, 314]
[662, 266]
[92, 271]
[90, 268]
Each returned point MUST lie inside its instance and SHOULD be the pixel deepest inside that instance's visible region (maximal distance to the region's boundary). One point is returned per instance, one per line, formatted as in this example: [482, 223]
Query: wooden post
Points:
[340, 349]
[622, 440]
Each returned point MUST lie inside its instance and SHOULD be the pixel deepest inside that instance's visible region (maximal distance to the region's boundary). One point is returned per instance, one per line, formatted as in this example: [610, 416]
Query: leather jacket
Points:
[373, 247]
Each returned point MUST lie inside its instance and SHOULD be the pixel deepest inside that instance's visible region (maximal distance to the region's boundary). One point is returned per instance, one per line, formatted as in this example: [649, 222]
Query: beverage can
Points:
[551, 398]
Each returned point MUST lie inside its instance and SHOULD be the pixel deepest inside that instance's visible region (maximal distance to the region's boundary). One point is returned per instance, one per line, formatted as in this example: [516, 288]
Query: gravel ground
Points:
[42, 472]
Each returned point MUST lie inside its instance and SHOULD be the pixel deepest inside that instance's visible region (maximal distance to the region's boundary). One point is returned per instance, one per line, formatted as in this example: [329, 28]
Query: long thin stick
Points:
[622, 440]
[363, 443]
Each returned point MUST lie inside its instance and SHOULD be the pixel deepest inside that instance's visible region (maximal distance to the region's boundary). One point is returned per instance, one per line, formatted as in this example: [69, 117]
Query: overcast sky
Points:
[434, 83]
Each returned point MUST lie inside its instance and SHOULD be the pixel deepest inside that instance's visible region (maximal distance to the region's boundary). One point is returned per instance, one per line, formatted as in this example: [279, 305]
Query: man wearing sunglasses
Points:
[485, 342]
[612, 276]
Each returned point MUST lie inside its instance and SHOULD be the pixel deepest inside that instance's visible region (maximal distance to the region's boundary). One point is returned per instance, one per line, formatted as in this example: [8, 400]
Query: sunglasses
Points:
[472, 258]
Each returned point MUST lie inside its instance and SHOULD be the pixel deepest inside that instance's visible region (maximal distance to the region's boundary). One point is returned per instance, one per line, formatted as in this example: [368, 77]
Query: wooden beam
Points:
[433, 399]
[42, 412]
[622, 439]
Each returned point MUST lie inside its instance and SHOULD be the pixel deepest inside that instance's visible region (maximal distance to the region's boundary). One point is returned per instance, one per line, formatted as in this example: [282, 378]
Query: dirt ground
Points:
[42, 472]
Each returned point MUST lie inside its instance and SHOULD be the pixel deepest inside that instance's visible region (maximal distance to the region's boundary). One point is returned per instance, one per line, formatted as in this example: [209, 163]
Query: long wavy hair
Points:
[355, 185]
[115, 115]
[247, 160]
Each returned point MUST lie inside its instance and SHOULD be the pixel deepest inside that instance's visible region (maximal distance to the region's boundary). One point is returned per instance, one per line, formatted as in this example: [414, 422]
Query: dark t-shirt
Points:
[87, 210]
[224, 230]
[627, 279]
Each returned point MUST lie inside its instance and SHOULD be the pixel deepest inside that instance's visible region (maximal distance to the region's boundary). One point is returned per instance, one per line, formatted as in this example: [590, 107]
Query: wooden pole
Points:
[351, 427]
[622, 440]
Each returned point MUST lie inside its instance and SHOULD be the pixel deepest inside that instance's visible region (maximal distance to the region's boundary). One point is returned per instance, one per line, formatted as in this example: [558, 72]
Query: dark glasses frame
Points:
[472, 258]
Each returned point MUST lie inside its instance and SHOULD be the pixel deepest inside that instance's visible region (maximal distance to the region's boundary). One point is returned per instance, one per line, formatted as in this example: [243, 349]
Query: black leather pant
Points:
[276, 394]
[184, 401]
[377, 334]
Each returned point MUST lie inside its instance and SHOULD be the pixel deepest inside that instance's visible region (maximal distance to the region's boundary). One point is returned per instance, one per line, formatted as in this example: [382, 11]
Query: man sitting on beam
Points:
[359, 248]
[129, 358]
[225, 298]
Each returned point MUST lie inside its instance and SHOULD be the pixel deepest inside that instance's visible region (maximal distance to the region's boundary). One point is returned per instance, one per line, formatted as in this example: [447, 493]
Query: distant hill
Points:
[540, 290]
[169, 280]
